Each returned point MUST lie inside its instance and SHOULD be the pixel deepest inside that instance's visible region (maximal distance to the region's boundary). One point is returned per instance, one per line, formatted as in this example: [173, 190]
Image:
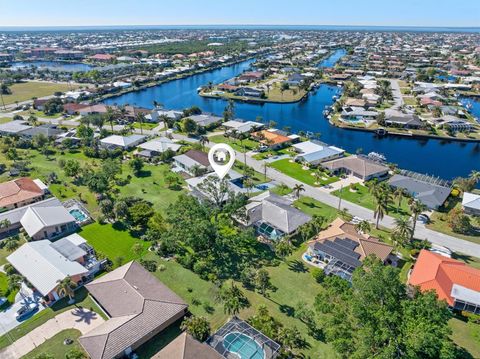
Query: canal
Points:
[445, 159]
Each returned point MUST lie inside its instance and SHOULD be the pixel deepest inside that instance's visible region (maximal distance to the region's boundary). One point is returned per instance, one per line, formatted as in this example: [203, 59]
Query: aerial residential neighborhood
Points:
[243, 186]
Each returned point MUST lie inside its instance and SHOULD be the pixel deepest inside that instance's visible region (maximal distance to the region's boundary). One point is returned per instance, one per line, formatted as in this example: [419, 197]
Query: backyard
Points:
[238, 145]
[296, 171]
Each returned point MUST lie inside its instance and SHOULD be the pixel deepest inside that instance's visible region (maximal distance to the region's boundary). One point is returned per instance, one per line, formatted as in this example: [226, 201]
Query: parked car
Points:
[26, 310]
[3, 300]
[423, 218]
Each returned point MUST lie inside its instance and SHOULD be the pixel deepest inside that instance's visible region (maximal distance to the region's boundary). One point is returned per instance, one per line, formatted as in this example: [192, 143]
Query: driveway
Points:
[8, 321]
[397, 94]
[77, 318]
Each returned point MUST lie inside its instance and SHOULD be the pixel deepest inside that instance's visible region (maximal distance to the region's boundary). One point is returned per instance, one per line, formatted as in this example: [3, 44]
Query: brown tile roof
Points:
[359, 165]
[366, 244]
[185, 347]
[139, 305]
[18, 190]
[199, 156]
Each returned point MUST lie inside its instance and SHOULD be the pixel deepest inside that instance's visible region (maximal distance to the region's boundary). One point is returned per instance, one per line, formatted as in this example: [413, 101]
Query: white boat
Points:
[377, 156]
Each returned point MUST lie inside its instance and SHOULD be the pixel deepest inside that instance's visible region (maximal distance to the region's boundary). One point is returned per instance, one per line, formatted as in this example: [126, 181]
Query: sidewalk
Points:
[78, 318]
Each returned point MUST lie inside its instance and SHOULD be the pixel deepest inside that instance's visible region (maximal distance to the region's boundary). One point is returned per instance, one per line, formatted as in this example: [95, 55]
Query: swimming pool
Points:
[78, 215]
[243, 345]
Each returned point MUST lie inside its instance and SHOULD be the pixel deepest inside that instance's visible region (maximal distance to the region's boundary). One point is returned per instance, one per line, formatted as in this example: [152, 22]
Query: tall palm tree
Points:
[14, 282]
[399, 195]
[141, 119]
[382, 199]
[65, 287]
[110, 116]
[403, 229]
[416, 207]
[297, 189]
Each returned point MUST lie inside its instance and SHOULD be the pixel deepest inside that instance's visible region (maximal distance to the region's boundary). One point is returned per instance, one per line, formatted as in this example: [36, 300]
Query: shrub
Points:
[75, 354]
[149, 265]
[318, 274]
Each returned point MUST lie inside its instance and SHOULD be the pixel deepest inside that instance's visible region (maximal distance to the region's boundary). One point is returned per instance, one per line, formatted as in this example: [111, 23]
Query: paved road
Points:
[397, 94]
[421, 232]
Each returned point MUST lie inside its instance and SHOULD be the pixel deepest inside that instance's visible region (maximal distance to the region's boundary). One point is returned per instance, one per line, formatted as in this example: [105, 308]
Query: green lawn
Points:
[55, 346]
[4, 290]
[151, 186]
[145, 125]
[438, 222]
[5, 119]
[25, 91]
[295, 170]
[466, 335]
[313, 207]
[240, 146]
[81, 300]
[112, 242]
[291, 278]
[363, 198]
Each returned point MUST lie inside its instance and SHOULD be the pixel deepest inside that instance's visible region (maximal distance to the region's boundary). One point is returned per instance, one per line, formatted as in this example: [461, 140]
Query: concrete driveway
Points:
[8, 320]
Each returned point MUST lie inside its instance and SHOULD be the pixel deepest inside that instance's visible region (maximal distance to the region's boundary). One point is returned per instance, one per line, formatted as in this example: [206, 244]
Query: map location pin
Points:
[220, 162]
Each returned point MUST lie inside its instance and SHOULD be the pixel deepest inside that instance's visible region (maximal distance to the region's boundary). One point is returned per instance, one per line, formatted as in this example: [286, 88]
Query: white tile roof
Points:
[471, 200]
[36, 219]
[42, 265]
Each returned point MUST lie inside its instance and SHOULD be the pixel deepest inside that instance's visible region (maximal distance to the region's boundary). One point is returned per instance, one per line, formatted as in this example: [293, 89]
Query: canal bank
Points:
[432, 156]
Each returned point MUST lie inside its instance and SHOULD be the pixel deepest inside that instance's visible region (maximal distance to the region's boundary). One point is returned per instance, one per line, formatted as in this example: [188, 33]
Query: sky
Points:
[441, 13]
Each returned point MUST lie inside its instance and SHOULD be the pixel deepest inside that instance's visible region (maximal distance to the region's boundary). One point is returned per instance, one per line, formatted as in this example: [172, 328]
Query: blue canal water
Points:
[332, 59]
[436, 157]
[53, 65]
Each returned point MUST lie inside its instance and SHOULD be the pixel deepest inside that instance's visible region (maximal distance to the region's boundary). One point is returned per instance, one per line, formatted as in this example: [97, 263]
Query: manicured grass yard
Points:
[26, 90]
[55, 347]
[81, 300]
[4, 290]
[145, 125]
[295, 170]
[466, 335]
[240, 146]
[363, 198]
[313, 207]
[291, 278]
[112, 242]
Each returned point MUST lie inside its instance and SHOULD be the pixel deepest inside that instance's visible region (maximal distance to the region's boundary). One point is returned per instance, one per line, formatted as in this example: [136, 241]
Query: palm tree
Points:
[382, 199]
[14, 282]
[297, 189]
[203, 140]
[403, 229]
[399, 195]
[233, 299]
[140, 118]
[318, 174]
[265, 166]
[363, 226]
[110, 116]
[416, 207]
[65, 288]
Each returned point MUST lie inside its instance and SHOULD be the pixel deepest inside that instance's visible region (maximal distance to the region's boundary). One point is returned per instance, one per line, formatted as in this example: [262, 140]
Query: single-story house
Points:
[21, 192]
[156, 146]
[272, 139]
[453, 281]
[242, 127]
[13, 127]
[124, 142]
[273, 216]
[471, 203]
[192, 159]
[205, 120]
[249, 92]
[186, 347]
[139, 307]
[48, 130]
[431, 195]
[342, 248]
[357, 113]
[404, 120]
[295, 80]
[39, 103]
[44, 263]
[73, 108]
[47, 222]
[358, 166]
[156, 115]
[315, 152]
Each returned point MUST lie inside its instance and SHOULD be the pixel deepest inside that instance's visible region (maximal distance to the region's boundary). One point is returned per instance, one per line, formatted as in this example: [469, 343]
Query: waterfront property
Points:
[358, 166]
[139, 307]
[471, 203]
[239, 339]
[453, 281]
[341, 248]
[316, 152]
[430, 194]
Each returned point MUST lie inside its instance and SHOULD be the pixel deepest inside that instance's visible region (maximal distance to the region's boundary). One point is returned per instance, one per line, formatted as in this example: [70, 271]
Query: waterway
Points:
[53, 65]
[445, 159]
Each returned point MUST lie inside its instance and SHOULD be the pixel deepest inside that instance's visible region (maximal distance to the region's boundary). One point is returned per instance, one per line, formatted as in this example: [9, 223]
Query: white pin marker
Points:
[219, 151]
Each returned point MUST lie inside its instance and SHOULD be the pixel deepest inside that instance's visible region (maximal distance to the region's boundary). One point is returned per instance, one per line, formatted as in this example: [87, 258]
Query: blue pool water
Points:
[78, 215]
[244, 346]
